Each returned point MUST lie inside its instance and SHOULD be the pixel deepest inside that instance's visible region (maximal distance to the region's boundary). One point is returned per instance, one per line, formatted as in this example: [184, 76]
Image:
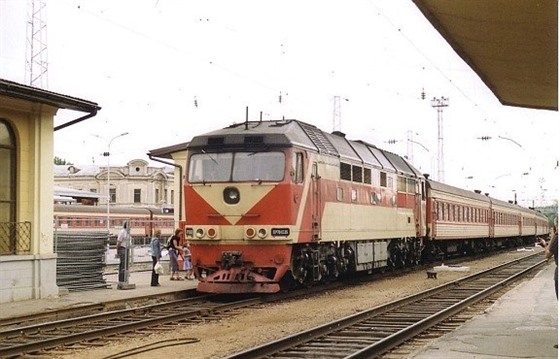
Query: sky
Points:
[167, 70]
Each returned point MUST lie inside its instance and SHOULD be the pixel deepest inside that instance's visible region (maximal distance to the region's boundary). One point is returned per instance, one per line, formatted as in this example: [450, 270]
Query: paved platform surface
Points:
[141, 281]
[521, 324]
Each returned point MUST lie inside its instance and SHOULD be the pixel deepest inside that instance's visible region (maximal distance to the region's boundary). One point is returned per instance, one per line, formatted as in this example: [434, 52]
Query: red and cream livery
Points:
[272, 204]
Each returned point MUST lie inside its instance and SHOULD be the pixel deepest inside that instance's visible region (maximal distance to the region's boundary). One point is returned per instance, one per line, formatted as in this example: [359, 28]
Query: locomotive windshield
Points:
[237, 167]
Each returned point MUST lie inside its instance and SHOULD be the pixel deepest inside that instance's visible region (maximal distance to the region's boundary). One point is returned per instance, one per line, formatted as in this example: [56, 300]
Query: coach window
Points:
[339, 194]
[7, 183]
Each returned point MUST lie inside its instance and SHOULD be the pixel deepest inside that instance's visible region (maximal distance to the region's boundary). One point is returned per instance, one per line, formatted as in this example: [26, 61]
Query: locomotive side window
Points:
[411, 185]
[367, 175]
[401, 184]
[383, 179]
[298, 168]
[357, 174]
[345, 171]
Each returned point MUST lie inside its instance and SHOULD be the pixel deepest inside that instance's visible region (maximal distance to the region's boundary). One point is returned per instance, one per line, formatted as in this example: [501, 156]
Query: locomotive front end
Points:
[241, 201]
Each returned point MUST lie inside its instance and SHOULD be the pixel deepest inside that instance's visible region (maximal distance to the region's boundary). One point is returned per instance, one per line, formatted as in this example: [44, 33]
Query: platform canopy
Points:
[511, 44]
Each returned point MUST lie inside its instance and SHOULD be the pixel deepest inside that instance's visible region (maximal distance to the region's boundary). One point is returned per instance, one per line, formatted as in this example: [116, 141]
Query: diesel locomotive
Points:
[274, 204]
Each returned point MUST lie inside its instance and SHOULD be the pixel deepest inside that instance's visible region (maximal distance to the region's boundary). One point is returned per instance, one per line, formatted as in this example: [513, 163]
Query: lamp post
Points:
[409, 147]
[107, 154]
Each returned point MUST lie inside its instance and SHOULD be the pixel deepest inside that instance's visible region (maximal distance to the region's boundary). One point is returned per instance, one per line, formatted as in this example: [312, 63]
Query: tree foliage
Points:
[61, 161]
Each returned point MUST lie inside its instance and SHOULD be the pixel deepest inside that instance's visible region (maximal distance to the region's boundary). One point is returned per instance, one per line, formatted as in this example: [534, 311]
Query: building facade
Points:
[27, 258]
[137, 184]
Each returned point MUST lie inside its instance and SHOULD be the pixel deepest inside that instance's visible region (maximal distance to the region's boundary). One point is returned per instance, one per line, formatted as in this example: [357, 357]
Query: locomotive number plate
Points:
[280, 232]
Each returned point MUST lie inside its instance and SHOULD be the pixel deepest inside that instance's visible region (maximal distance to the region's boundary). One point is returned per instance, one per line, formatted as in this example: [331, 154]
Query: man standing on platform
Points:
[123, 243]
[155, 246]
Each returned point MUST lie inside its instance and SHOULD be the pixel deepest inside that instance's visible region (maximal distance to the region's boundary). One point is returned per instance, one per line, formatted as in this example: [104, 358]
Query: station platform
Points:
[521, 324]
[142, 287]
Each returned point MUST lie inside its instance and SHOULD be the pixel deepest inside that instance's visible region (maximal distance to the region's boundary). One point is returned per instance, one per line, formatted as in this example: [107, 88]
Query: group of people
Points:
[175, 252]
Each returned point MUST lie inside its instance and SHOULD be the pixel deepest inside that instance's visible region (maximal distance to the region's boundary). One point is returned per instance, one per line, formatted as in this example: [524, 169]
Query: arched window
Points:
[8, 173]
[7, 187]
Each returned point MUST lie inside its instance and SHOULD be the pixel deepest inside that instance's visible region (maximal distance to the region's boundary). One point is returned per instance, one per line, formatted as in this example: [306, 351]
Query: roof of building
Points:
[74, 193]
[511, 44]
[166, 152]
[75, 171]
[33, 94]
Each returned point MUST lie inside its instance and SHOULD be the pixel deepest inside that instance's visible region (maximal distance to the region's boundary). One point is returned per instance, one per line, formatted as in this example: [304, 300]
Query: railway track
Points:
[91, 308]
[94, 329]
[376, 331]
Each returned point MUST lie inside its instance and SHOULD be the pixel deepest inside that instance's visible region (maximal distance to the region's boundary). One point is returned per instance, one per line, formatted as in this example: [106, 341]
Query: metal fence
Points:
[80, 260]
[15, 238]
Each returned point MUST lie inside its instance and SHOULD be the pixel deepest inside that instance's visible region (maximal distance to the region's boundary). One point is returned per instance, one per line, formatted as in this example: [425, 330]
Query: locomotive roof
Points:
[252, 135]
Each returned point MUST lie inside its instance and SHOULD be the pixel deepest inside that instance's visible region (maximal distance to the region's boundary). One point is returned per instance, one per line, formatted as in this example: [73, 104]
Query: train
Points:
[85, 218]
[272, 205]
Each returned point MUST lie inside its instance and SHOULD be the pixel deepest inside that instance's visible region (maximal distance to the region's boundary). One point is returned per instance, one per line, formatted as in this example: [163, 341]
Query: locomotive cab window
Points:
[238, 166]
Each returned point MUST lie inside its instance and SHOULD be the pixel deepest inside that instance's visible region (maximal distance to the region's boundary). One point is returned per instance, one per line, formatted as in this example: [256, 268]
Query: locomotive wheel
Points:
[300, 262]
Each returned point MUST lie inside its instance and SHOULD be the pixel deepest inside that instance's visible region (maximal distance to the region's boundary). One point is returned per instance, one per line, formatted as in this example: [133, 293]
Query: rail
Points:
[373, 332]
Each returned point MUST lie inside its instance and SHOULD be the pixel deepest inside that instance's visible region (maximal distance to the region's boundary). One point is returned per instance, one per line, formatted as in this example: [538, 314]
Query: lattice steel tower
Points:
[439, 104]
[337, 118]
[36, 63]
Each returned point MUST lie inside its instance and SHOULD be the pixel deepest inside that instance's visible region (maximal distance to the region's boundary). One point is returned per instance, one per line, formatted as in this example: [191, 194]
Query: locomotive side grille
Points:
[215, 140]
[318, 138]
[253, 140]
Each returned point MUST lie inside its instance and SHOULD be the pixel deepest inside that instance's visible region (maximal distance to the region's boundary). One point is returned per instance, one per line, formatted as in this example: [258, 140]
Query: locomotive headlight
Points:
[199, 233]
[250, 232]
[231, 195]
[262, 233]
[212, 233]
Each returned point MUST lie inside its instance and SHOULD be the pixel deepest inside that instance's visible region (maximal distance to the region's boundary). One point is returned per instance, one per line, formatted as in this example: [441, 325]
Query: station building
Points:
[27, 259]
[136, 184]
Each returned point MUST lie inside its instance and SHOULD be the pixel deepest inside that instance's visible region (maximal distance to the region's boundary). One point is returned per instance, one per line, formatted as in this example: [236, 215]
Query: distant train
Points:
[274, 204]
[143, 221]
